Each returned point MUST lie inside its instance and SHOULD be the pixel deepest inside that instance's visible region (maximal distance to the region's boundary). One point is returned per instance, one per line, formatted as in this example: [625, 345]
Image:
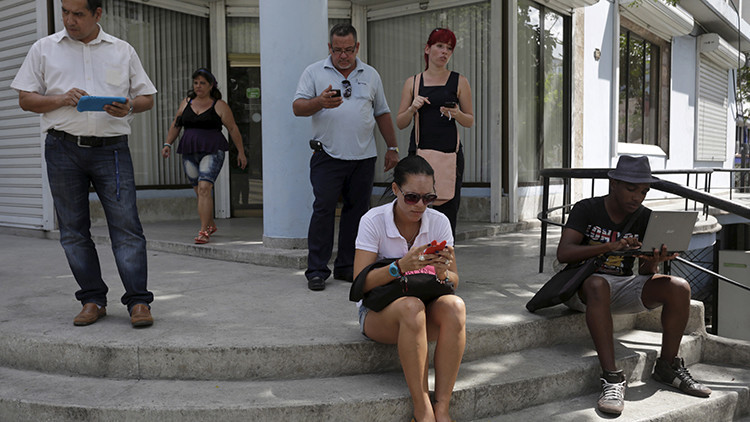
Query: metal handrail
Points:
[663, 185]
[711, 273]
[731, 172]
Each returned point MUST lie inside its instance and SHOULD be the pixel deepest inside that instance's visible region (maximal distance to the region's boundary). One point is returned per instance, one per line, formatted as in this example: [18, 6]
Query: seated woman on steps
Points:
[404, 228]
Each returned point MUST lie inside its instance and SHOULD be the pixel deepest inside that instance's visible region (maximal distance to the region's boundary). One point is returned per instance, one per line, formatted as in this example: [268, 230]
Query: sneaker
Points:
[612, 399]
[678, 376]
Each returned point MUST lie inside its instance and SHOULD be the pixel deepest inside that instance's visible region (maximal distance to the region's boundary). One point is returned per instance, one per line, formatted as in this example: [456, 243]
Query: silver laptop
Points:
[671, 228]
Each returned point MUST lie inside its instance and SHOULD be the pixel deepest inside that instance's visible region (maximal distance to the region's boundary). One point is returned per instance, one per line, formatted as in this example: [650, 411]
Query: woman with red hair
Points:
[439, 98]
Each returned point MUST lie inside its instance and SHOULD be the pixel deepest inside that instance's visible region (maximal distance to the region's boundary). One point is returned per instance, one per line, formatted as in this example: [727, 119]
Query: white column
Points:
[218, 34]
[293, 34]
[512, 11]
[496, 110]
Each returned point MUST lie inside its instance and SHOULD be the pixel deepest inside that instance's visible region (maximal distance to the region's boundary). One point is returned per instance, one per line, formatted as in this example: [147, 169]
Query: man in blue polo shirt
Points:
[344, 96]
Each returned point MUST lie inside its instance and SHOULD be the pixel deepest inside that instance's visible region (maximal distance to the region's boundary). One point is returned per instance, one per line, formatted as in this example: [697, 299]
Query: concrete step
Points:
[105, 353]
[228, 250]
[489, 386]
[241, 240]
[232, 353]
[653, 401]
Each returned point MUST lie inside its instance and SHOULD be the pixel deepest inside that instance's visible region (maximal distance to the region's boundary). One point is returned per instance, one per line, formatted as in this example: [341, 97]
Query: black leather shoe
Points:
[343, 276]
[316, 283]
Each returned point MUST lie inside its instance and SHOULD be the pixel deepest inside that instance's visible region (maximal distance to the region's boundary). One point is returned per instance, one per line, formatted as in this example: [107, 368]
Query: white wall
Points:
[597, 91]
[599, 30]
[682, 103]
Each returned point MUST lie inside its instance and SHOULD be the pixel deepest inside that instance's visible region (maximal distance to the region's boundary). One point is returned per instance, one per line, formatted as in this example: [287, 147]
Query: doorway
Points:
[246, 186]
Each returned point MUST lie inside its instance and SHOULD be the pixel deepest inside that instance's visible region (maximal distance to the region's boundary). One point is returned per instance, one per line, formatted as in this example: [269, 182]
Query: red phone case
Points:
[434, 247]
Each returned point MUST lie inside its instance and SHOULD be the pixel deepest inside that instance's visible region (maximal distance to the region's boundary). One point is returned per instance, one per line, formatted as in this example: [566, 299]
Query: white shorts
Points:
[625, 294]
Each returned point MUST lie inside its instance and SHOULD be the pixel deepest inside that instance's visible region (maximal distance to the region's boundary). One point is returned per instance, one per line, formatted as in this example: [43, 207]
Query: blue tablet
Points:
[92, 103]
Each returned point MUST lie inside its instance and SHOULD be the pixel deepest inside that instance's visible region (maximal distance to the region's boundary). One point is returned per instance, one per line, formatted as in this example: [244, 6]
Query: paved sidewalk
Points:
[203, 302]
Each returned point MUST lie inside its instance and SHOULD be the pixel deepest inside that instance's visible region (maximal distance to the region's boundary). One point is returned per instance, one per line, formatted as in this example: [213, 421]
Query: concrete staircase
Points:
[543, 369]
[239, 342]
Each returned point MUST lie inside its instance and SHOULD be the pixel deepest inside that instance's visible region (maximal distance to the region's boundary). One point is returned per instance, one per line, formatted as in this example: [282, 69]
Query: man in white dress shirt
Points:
[91, 148]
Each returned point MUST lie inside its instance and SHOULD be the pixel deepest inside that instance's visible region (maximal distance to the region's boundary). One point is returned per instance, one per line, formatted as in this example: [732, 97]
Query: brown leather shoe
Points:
[140, 316]
[89, 314]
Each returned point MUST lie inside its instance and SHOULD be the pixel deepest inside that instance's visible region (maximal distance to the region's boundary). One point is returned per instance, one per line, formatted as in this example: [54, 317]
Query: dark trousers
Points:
[331, 178]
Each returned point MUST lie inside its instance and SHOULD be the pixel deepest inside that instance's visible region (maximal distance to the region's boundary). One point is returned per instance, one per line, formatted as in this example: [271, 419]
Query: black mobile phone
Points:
[336, 93]
[315, 145]
[449, 104]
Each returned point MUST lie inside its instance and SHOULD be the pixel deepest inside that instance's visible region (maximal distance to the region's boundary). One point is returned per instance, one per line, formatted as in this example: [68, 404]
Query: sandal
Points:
[202, 237]
[211, 230]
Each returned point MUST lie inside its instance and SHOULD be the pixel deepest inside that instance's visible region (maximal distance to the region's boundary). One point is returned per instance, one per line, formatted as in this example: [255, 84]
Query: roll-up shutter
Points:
[714, 47]
[664, 20]
[567, 6]
[22, 182]
[712, 127]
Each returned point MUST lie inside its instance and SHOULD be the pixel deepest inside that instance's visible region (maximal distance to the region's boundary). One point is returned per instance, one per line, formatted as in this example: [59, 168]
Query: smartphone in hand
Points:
[434, 247]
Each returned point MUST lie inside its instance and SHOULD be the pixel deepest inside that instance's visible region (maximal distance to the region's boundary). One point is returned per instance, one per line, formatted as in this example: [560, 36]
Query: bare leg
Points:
[205, 203]
[673, 293]
[595, 294]
[403, 322]
[446, 318]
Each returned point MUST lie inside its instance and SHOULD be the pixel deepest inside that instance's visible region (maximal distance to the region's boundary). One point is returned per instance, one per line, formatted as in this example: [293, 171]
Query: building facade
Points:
[555, 83]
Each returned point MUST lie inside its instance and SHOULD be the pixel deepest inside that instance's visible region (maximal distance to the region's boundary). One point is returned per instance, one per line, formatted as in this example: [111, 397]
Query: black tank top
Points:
[209, 119]
[436, 131]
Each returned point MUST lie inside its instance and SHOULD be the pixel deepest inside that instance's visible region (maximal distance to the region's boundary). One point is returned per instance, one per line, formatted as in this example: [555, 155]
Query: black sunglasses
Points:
[347, 88]
[413, 198]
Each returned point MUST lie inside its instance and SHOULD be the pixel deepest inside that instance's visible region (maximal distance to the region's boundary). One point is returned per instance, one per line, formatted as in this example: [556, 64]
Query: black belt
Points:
[88, 141]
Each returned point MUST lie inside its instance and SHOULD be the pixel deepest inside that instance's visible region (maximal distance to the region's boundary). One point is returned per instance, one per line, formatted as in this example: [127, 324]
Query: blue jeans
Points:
[202, 166]
[71, 169]
[331, 178]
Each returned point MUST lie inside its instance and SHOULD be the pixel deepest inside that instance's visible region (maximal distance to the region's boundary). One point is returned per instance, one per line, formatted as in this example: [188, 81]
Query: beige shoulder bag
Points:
[443, 163]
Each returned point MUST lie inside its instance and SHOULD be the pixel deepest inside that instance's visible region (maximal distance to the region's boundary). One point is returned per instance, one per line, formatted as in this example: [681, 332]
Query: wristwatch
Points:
[393, 149]
[393, 270]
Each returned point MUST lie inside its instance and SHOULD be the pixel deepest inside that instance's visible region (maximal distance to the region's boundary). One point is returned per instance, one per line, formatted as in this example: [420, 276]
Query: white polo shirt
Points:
[106, 66]
[378, 232]
[346, 131]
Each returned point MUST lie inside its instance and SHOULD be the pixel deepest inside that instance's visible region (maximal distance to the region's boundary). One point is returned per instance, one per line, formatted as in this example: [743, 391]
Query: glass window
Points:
[396, 50]
[639, 90]
[243, 95]
[171, 45]
[543, 98]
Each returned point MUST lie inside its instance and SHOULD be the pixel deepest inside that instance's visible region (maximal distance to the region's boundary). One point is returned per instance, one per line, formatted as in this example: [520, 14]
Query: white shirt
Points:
[106, 66]
[347, 131]
[378, 232]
